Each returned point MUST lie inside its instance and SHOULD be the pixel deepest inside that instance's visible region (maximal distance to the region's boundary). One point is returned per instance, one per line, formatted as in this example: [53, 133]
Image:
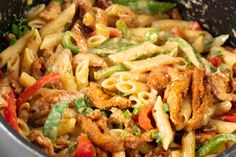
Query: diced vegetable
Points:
[146, 6]
[121, 25]
[83, 105]
[51, 125]
[216, 53]
[34, 88]
[214, 143]
[136, 129]
[166, 107]
[230, 117]
[10, 111]
[157, 137]
[109, 71]
[143, 119]
[152, 35]
[67, 43]
[216, 61]
[188, 50]
[136, 111]
[85, 148]
[127, 114]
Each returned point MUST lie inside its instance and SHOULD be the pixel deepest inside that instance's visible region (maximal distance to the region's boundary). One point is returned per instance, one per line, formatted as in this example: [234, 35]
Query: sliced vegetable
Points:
[188, 50]
[152, 35]
[127, 114]
[214, 143]
[143, 119]
[51, 125]
[166, 107]
[10, 111]
[216, 53]
[115, 33]
[105, 72]
[34, 88]
[157, 137]
[216, 61]
[67, 43]
[121, 25]
[83, 105]
[146, 6]
[85, 148]
[136, 111]
[217, 41]
[230, 117]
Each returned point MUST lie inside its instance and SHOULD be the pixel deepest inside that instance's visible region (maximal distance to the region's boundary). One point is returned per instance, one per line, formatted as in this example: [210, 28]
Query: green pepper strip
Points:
[109, 71]
[67, 43]
[121, 25]
[52, 123]
[214, 143]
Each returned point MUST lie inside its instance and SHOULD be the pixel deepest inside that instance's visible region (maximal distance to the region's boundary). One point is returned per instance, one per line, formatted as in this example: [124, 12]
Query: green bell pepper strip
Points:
[67, 43]
[51, 125]
[121, 25]
[152, 35]
[191, 54]
[146, 6]
[106, 72]
[214, 143]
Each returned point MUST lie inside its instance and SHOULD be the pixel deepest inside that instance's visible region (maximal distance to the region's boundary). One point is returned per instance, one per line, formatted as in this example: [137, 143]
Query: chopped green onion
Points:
[136, 129]
[152, 35]
[136, 111]
[106, 72]
[87, 101]
[157, 137]
[166, 107]
[127, 114]
[67, 43]
[51, 125]
[83, 105]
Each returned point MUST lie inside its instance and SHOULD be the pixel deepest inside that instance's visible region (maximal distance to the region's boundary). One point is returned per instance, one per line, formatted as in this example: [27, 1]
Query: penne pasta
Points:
[96, 40]
[162, 122]
[26, 80]
[222, 126]
[37, 23]
[56, 25]
[136, 103]
[27, 60]
[15, 49]
[34, 43]
[109, 84]
[102, 30]
[126, 76]
[13, 65]
[51, 41]
[119, 154]
[34, 12]
[147, 20]
[188, 144]
[131, 87]
[150, 63]
[23, 128]
[168, 24]
[186, 109]
[222, 107]
[81, 74]
[133, 53]
[147, 97]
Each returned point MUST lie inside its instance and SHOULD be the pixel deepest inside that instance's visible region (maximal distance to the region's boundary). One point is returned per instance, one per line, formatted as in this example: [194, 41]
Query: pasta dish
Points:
[118, 78]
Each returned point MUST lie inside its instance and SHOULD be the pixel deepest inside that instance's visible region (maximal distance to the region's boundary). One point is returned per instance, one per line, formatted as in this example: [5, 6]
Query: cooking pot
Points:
[217, 16]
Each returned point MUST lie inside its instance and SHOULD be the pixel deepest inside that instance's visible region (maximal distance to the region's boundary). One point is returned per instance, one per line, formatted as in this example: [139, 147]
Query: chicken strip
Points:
[102, 140]
[104, 101]
[174, 95]
[220, 84]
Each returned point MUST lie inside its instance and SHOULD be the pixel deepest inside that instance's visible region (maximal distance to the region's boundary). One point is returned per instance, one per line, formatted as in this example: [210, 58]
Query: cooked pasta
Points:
[118, 78]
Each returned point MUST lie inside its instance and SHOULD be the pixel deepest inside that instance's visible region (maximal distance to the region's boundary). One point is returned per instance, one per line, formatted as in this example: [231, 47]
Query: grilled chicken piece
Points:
[202, 137]
[220, 83]
[43, 101]
[202, 104]
[174, 95]
[102, 140]
[51, 12]
[158, 152]
[104, 101]
[37, 138]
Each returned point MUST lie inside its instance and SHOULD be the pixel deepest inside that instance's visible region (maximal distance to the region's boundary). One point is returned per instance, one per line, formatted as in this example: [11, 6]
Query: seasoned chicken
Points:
[43, 101]
[174, 95]
[220, 84]
[104, 101]
[202, 103]
[102, 140]
[202, 136]
[158, 152]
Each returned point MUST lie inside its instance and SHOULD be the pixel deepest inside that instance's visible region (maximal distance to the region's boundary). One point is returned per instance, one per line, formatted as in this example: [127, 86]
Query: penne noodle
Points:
[15, 49]
[34, 12]
[168, 24]
[188, 144]
[186, 109]
[27, 60]
[162, 122]
[102, 30]
[222, 126]
[34, 43]
[81, 74]
[13, 65]
[96, 40]
[109, 84]
[150, 63]
[147, 20]
[55, 26]
[126, 76]
[37, 23]
[147, 97]
[119, 154]
[133, 53]
[136, 103]
[222, 107]
[199, 44]
[51, 41]
[26, 80]
[23, 128]
[131, 87]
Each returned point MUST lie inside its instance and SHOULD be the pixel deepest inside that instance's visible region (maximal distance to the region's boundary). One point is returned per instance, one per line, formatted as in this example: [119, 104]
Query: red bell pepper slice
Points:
[10, 111]
[216, 61]
[114, 32]
[143, 119]
[85, 148]
[34, 88]
[231, 117]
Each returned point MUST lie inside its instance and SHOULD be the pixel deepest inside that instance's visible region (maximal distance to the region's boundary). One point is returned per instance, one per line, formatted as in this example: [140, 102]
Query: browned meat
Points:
[174, 94]
[221, 86]
[61, 143]
[104, 101]
[133, 142]
[23, 112]
[158, 152]
[100, 153]
[95, 115]
[79, 38]
[94, 60]
[43, 101]
[102, 140]
[197, 88]
[36, 67]
[104, 3]
[202, 137]
[132, 153]
[117, 116]
[158, 78]
[84, 5]
[51, 12]
[204, 112]
[37, 138]
[147, 136]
